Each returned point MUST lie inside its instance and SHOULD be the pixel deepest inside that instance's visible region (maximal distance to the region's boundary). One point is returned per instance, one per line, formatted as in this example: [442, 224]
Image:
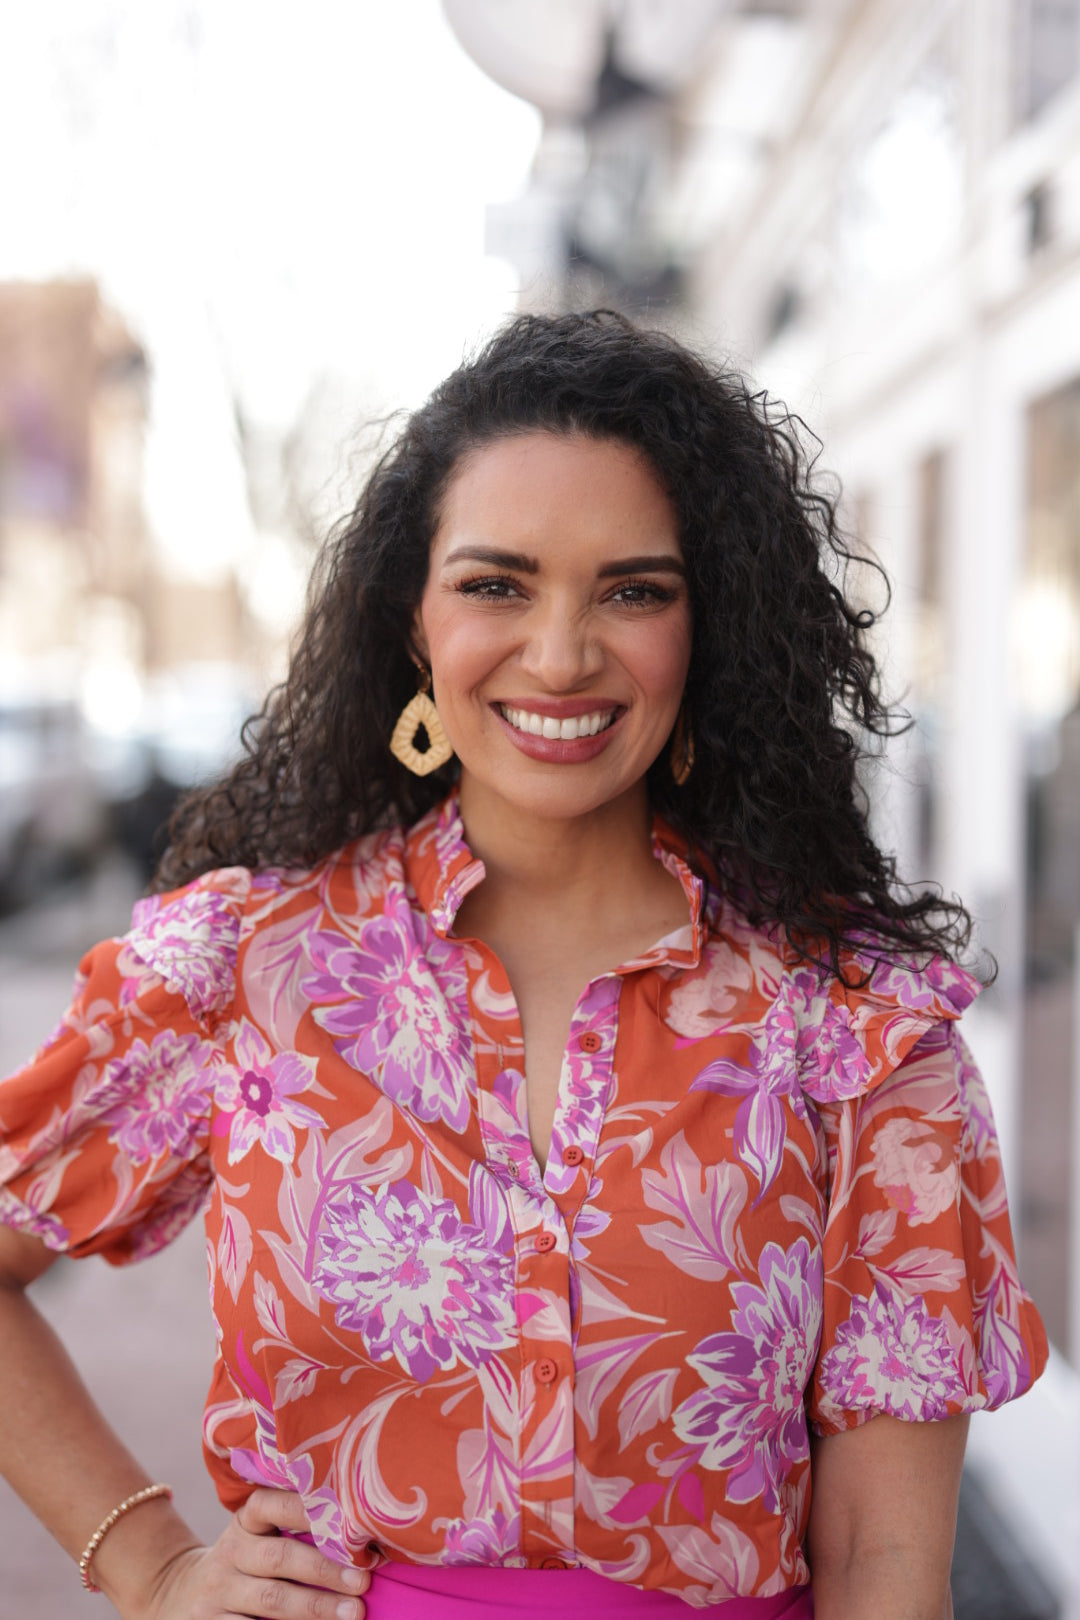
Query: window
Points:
[1045, 52]
[1048, 667]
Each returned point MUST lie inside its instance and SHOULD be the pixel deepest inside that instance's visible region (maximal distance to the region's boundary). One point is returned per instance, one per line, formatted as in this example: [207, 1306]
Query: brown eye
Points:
[642, 593]
[491, 588]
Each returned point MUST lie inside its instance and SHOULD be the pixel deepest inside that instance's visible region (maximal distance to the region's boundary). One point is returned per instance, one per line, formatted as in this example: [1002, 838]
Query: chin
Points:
[553, 799]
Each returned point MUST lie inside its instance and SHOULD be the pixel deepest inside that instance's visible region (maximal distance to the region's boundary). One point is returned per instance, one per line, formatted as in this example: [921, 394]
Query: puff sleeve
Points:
[924, 1314]
[104, 1133]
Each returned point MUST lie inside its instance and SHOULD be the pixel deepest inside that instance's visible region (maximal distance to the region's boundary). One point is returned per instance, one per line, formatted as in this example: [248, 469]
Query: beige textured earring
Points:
[682, 748]
[421, 711]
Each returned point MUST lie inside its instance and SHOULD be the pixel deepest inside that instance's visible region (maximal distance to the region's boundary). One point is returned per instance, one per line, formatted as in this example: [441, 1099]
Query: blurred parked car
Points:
[189, 733]
[53, 819]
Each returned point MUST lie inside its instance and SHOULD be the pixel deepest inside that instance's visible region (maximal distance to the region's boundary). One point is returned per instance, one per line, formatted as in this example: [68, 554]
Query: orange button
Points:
[572, 1155]
[512, 1169]
[545, 1242]
[590, 1041]
[553, 1563]
[547, 1371]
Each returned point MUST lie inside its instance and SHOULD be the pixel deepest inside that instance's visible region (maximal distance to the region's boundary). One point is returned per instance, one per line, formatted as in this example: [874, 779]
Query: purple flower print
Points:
[831, 1059]
[978, 1138]
[155, 1098]
[892, 1356]
[176, 1204]
[941, 988]
[584, 1082]
[765, 1080]
[413, 1279]
[749, 1418]
[398, 1004]
[191, 942]
[483, 1541]
[24, 1217]
[260, 1094]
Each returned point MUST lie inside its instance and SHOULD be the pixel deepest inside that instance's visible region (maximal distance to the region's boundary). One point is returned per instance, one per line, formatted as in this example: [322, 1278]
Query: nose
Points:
[561, 651]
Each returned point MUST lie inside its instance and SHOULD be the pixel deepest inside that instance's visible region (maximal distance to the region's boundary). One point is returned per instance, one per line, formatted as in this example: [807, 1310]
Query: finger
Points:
[278, 1600]
[276, 1558]
[266, 1512]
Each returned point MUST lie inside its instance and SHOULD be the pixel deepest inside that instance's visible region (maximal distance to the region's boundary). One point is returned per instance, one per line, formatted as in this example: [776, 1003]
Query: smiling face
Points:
[556, 622]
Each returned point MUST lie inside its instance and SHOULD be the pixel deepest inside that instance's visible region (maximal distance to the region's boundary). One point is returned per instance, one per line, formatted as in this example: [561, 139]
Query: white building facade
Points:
[874, 206]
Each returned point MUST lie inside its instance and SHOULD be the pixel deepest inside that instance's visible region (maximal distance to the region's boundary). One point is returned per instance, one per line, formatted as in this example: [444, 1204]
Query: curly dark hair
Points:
[782, 697]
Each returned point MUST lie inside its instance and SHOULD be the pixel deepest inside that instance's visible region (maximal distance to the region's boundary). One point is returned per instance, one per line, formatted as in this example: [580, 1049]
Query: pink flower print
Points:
[191, 942]
[156, 1097]
[749, 1418]
[696, 1004]
[892, 1356]
[914, 1165]
[260, 1094]
[413, 1279]
[494, 1540]
[398, 1004]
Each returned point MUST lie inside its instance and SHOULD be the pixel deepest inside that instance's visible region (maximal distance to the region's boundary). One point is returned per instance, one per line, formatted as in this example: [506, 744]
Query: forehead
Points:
[534, 491]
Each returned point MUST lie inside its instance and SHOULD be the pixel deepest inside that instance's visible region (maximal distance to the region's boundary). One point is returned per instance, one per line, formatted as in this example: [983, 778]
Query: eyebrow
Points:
[519, 563]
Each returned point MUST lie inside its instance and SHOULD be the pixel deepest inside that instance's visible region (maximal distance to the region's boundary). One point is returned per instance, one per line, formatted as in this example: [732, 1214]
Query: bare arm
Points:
[69, 1467]
[883, 1520]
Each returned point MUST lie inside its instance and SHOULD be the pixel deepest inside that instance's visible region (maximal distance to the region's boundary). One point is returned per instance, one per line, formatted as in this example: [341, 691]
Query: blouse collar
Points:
[443, 870]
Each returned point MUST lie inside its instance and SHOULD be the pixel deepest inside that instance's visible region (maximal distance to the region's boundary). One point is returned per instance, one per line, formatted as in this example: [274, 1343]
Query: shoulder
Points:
[844, 1034]
[352, 882]
[189, 936]
[852, 1032]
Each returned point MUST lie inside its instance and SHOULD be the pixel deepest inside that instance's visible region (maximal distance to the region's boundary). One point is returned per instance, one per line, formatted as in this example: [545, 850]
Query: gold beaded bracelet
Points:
[147, 1494]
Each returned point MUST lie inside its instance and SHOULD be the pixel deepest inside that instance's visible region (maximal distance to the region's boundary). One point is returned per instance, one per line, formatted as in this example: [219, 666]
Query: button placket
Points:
[583, 1091]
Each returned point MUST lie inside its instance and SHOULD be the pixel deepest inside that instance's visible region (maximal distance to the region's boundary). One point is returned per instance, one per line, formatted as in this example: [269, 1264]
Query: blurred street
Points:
[141, 1335]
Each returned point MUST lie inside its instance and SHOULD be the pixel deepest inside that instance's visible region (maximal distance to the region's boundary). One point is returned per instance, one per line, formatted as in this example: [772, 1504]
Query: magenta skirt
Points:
[434, 1592]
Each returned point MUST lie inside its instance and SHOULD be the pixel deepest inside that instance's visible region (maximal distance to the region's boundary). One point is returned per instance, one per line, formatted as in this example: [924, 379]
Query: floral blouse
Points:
[771, 1203]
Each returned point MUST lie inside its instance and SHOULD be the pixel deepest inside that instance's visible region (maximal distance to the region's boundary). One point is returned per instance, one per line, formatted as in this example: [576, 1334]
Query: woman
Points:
[577, 1095]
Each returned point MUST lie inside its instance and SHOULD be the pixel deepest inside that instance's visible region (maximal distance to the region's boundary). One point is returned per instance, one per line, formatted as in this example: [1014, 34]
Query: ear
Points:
[418, 644]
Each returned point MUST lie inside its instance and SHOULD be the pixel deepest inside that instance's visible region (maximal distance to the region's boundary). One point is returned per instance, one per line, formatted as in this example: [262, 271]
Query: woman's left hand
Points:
[257, 1569]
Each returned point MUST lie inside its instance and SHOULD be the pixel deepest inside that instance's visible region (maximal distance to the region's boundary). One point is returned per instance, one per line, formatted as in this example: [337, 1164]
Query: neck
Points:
[575, 862]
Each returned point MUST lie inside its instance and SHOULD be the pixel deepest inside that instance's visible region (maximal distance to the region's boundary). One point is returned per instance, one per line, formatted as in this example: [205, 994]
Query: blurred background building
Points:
[873, 206]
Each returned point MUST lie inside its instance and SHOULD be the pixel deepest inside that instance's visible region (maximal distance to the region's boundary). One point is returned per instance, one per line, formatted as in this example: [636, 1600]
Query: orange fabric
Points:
[769, 1200]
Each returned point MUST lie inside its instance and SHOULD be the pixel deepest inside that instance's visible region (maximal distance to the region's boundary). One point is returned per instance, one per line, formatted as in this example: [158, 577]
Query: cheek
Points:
[659, 656]
[463, 646]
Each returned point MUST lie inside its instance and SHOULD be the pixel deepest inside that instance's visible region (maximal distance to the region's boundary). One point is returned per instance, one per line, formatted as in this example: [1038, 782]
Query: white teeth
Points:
[546, 725]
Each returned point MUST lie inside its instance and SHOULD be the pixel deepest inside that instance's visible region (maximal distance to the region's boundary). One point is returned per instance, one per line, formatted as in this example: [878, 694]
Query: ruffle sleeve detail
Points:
[848, 1040]
[103, 1134]
[190, 937]
[924, 1314]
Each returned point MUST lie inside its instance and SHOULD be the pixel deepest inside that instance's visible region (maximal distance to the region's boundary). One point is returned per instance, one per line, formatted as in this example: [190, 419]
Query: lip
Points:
[553, 750]
[559, 708]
